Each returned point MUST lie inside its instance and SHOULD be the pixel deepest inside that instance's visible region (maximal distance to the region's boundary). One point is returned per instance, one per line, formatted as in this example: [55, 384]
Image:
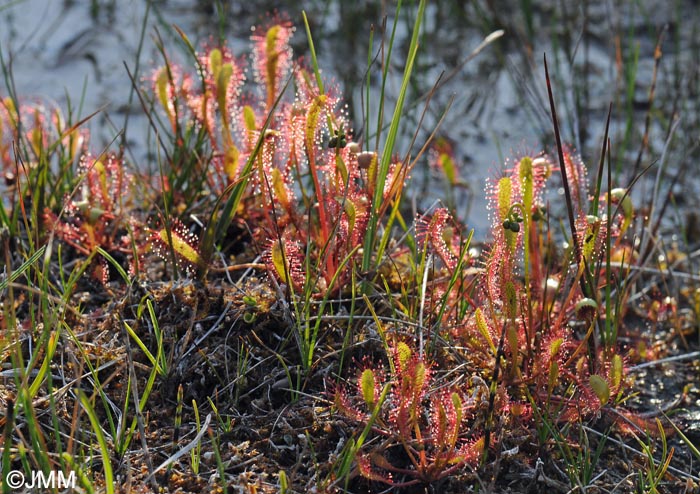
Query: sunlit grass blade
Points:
[23, 268]
[386, 156]
[101, 441]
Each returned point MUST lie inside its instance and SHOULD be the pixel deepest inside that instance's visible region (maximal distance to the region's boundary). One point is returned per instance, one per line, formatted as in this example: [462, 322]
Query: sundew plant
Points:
[267, 313]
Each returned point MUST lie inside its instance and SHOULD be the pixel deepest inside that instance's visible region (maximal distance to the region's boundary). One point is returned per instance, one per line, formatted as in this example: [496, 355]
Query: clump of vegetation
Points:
[195, 327]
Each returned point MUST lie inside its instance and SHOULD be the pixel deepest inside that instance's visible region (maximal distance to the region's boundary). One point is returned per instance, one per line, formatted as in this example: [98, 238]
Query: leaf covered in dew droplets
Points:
[434, 232]
[222, 82]
[312, 118]
[215, 60]
[285, 259]
[249, 118]
[403, 354]
[482, 325]
[280, 189]
[367, 383]
[555, 346]
[600, 388]
[181, 243]
[458, 405]
[616, 372]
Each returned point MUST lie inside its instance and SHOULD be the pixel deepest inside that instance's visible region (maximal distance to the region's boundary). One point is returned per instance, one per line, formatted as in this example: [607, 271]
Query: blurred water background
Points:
[73, 54]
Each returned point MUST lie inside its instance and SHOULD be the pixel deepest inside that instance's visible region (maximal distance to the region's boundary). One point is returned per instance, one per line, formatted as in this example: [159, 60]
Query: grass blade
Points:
[101, 440]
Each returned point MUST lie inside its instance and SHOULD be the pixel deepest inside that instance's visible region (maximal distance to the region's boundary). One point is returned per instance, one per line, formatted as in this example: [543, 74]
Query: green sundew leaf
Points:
[340, 165]
[101, 171]
[525, 171]
[372, 168]
[222, 82]
[278, 261]
[181, 247]
[504, 192]
[101, 440]
[600, 388]
[249, 118]
[449, 168]
[592, 232]
[215, 60]
[367, 384]
[312, 118]
[231, 156]
[280, 190]
[555, 346]
[352, 214]
[162, 81]
[483, 329]
[403, 353]
[457, 404]
[420, 377]
[616, 371]
[272, 57]
[505, 187]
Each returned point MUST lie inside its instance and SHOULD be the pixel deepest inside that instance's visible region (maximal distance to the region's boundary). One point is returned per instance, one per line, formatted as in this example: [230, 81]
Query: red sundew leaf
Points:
[577, 176]
[434, 233]
[101, 270]
[343, 404]
[442, 420]
[470, 452]
[286, 260]
[272, 57]
[313, 119]
[364, 465]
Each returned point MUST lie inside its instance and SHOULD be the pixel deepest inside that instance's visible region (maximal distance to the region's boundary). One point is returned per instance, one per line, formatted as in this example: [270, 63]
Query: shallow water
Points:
[73, 53]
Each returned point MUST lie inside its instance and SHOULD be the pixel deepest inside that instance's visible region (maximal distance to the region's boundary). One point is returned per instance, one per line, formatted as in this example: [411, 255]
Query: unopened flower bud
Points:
[364, 160]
